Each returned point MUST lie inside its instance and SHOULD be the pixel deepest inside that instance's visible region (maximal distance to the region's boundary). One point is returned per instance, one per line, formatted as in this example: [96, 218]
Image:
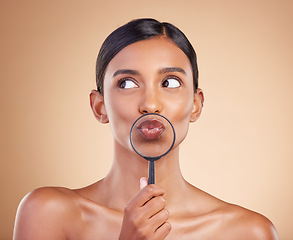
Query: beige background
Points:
[241, 148]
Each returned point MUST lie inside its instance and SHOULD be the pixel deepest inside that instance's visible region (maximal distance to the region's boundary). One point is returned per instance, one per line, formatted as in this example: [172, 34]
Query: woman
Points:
[143, 67]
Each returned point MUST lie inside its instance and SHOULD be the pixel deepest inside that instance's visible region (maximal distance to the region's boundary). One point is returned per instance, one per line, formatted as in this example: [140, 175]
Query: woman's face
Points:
[150, 76]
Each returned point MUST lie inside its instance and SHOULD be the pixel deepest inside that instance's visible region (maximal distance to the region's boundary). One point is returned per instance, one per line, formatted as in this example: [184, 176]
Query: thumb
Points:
[143, 182]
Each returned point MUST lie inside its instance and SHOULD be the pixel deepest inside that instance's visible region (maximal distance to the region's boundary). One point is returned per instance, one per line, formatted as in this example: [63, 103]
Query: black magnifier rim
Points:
[148, 157]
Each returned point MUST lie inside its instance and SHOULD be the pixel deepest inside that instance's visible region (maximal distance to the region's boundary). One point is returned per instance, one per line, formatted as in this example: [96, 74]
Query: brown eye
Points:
[171, 83]
[127, 83]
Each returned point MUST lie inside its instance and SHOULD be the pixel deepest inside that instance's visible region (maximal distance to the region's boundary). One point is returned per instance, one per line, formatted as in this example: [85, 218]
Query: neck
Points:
[123, 179]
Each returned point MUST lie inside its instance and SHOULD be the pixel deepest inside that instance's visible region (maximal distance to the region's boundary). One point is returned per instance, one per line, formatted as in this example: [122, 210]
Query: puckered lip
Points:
[151, 129]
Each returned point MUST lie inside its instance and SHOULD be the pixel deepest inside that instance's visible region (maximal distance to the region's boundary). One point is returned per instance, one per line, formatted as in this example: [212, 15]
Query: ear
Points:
[98, 106]
[197, 105]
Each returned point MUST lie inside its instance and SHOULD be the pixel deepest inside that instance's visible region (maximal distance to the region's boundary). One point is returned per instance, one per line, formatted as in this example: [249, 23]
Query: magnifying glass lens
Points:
[152, 136]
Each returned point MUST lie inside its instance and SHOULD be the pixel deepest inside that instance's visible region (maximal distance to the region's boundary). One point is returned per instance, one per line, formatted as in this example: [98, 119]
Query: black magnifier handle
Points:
[152, 168]
[151, 172]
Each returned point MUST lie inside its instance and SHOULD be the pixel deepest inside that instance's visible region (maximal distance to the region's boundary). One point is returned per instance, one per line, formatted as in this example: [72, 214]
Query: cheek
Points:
[120, 116]
[180, 118]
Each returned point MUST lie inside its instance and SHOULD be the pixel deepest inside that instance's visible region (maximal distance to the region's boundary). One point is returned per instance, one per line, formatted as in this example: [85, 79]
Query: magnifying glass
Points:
[152, 136]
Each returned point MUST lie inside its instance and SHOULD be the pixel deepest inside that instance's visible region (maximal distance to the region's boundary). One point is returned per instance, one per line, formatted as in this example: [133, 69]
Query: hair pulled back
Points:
[137, 30]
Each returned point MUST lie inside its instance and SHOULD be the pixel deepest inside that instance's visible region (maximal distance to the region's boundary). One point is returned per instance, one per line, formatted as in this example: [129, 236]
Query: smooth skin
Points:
[149, 76]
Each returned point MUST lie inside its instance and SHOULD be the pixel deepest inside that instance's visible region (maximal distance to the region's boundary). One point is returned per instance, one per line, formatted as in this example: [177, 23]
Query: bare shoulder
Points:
[48, 198]
[242, 223]
[221, 220]
[43, 212]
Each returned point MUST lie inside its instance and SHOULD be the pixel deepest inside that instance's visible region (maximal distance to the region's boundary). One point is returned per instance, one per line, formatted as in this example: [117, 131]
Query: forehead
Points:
[150, 54]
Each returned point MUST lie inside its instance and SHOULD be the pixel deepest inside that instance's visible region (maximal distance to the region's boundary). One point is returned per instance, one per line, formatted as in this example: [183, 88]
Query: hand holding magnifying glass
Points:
[152, 136]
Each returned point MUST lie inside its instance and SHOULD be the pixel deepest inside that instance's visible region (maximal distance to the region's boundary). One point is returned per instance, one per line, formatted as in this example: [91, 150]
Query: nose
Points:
[150, 102]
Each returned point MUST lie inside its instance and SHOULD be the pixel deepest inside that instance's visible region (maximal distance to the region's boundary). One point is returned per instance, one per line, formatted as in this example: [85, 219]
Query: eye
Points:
[171, 82]
[127, 83]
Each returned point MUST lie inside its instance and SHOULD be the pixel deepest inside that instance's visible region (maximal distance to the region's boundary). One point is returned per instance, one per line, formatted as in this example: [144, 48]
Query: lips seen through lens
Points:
[151, 129]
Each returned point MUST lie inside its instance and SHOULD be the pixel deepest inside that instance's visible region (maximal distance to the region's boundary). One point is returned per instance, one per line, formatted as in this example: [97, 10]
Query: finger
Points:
[153, 206]
[159, 219]
[143, 182]
[146, 194]
[163, 231]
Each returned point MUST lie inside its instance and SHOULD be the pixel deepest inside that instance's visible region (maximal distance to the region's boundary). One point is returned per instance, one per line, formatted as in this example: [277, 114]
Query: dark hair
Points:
[137, 30]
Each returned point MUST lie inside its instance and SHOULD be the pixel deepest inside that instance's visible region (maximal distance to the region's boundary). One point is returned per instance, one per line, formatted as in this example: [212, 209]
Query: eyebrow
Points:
[125, 71]
[161, 71]
[172, 69]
